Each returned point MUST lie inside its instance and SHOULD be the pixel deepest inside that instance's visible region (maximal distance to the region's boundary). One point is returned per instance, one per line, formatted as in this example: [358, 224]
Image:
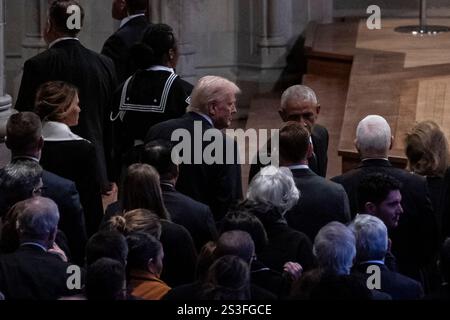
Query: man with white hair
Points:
[32, 272]
[300, 104]
[213, 104]
[371, 248]
[415, 239]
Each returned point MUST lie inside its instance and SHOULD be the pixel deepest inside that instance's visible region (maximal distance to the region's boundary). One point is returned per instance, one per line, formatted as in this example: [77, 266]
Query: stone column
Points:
[35, 19]
[5, 100]
[186, 62]
[273, 44]
[156, 13]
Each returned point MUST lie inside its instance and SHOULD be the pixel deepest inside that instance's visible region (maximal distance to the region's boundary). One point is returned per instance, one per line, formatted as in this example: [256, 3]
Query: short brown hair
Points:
[58, 16]
[294, 142]
[427, 149]
[23, 131]
[53, 99]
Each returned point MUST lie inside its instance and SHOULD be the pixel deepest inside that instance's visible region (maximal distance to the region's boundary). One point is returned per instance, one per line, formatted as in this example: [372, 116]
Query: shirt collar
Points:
[25, 158]
[368, 159]
[206, 117]
[127, 19]
[372, 262]
[161, 68]
[298, 166]
[34, 244]
[62, 39]
[58, 131]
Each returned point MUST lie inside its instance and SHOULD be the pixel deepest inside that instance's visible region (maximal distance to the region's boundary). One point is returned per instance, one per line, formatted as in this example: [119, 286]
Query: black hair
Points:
[106, 244]
[59, 16]
[158, 154]
[105, 280]
[375, 188]
[142, 248]
[136, 6]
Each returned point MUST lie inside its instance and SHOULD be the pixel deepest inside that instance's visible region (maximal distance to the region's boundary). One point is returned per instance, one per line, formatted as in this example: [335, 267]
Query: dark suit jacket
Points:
[415, 240]
[317, 163]
[321, 201]
[30, 273]
[93, 74]
[216, 185]
[76, 161]
[118, 46]
[193, 215]
[286, 244]
[398, 286]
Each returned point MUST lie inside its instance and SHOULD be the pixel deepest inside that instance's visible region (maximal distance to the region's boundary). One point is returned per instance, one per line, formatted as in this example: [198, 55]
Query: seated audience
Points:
[66, 154]
[322, 201]
[24, 139]
[415, 241]
[32, 272]
[145, 265]
[270, 195]
[141, 190]
[428, 155]
[196, 217]
[371, 248]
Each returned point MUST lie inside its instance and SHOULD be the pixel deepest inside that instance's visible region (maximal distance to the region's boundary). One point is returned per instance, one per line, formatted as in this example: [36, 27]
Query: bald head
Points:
[373, 137]
[39, 220]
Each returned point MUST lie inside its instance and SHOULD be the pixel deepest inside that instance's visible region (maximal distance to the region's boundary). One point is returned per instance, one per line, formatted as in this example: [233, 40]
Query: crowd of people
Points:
[185, 231]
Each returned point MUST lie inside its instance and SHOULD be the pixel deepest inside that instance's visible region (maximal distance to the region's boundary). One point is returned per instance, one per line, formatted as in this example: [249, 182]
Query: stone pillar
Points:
[273, 44]
[35, 20]
[186, 62]
[5, 100]
[156, 13]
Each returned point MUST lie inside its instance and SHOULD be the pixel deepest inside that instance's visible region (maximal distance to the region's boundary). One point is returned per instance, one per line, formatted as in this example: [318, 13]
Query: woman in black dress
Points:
[65, 153]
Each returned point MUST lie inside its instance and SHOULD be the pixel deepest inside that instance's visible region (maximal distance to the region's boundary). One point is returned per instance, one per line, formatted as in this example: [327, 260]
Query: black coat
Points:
[193, 215]
[318, 163]
[398, 286]
[415, 240]
[95, 77]
[216, 185]
[30, 273]
[76, 161]
[118, 46]
[321, 201]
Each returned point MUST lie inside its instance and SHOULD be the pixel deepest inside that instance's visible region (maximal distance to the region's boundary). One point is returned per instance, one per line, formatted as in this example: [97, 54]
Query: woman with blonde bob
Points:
[428, 155]
[65, 153]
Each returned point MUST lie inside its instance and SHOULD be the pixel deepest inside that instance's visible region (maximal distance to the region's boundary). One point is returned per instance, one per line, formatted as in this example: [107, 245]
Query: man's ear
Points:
[392, 143]
[282, 115]
[355, 142]
[40, 143]
[212, 108]
[318, 110]
[310, 151]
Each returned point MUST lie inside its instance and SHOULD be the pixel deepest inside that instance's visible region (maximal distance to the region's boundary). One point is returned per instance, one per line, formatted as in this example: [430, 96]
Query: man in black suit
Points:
[34, 271]
[24, 139]
[321, 201]
[213, 103]
[371, 248]
[299, 104]
[195, 216]
[415, 240]
[94, 75]
[132, 26]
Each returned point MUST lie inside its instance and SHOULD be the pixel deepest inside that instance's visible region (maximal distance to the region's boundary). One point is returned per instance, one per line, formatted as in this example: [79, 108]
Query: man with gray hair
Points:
[32, 272]
[300, 104]
[213, 104]
[371, 248]
[415, 240]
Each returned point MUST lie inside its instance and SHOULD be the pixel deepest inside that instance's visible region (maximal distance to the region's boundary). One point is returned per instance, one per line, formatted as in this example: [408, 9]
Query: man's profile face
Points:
[222, 112]
[119, 9]
[304, 112]
[390, 210]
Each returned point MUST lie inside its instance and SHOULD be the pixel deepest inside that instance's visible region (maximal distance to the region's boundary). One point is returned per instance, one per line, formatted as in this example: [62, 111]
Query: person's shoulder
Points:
[52, 181]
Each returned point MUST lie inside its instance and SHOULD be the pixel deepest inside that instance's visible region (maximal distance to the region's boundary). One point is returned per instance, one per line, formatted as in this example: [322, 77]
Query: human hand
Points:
[56, 250]
[293, 269]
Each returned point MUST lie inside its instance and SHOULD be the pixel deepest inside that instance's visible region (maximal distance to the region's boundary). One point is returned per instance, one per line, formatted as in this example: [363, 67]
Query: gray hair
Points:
[39, 218]
[334, 247]
[373, 136]
[371, 237]
[274, 186]
[300, 93]
[210, 89]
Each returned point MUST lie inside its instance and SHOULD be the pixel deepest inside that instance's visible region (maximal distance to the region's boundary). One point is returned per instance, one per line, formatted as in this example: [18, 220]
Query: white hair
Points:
[334, 248]
[300, 93]
[274, 186]
[39, 218]
[371, 237]
[373, 136]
